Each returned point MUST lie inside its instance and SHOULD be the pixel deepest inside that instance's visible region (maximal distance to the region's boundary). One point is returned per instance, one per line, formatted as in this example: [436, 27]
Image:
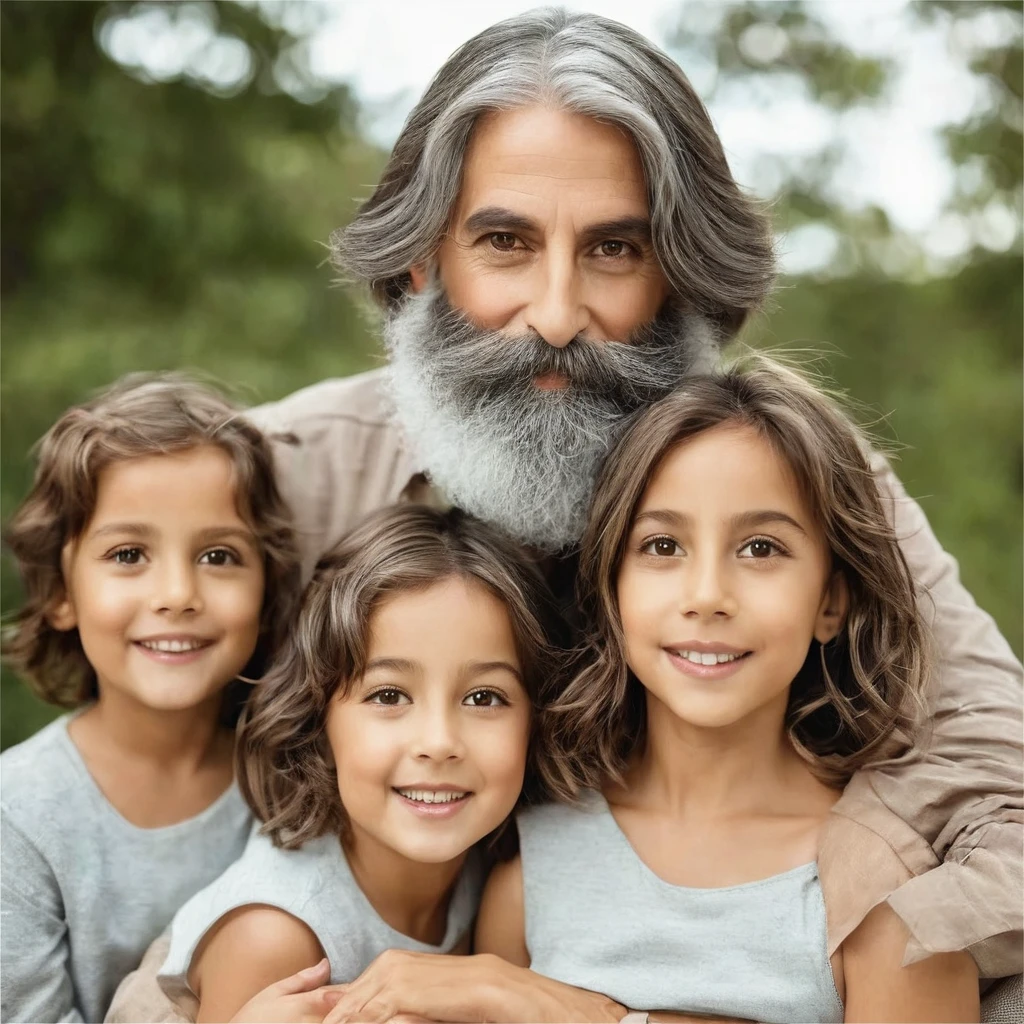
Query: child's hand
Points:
[302, 998]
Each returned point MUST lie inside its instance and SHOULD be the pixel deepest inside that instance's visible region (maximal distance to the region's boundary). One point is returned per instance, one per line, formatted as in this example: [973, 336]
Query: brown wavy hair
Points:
[855, 698]
[141, 415]
[283, 765]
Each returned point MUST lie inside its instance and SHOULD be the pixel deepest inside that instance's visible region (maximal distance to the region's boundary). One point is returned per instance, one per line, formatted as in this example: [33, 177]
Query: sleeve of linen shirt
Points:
[34, 950]
[938, 830]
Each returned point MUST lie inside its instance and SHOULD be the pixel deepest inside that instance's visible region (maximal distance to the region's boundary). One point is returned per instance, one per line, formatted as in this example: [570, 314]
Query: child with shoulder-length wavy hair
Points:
[158, 567]
[755, 640]
[394, 734]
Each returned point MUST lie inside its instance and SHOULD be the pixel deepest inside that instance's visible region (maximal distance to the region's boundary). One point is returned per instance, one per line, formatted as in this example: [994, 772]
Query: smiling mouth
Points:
[182, 646]
[428, 796]
[709, 657]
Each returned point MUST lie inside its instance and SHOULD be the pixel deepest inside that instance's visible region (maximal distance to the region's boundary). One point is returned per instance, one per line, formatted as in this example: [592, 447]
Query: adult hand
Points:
[301, 998]
[464, 988]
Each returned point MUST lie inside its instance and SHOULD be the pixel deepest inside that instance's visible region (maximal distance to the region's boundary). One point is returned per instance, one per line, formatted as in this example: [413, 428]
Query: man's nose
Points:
[176, 587]
[556, 310]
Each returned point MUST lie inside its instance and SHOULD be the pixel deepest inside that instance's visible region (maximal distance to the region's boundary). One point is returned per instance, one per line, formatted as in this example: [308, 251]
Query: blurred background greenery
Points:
[179, 221]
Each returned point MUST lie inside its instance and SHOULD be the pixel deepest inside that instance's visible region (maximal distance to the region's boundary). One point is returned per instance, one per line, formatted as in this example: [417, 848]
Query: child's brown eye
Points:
[760, 548]
[664, 546]
[388, 697]
[485, 699]
[128, 556]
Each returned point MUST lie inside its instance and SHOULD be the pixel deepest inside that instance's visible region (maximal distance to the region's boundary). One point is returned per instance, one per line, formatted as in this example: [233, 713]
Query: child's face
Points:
[430, 744]
[725, 580]
[165, 584]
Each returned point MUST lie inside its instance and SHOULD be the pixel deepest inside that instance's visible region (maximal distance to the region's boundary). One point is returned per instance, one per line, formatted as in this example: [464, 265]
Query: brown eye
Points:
[612, 247]
[484, 699]
[503, 241]
[664, 546]
[760, 548]
[219, 557]
[128, 556]
[389, 697]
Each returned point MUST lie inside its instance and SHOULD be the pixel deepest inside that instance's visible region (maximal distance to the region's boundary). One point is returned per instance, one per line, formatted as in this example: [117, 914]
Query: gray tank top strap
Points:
[315, 885]
[599, 918]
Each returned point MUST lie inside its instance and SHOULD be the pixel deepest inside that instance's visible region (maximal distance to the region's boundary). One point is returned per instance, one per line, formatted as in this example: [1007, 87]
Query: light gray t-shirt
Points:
[314, 884]
[597, 917]
[84, 892]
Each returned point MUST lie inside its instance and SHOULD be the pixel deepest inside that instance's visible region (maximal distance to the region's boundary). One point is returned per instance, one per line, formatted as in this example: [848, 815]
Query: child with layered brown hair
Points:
[396, 733]
[159, 572]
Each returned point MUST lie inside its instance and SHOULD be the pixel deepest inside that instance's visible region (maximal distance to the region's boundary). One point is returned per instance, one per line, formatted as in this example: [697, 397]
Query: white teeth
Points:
[701, 658]
[426, 796]
[173, 646]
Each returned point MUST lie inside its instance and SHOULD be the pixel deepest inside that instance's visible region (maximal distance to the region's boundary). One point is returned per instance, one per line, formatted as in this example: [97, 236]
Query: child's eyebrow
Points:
[479, 668]
[134, 529]
[392, 664]
[225, 532]
[741, 521]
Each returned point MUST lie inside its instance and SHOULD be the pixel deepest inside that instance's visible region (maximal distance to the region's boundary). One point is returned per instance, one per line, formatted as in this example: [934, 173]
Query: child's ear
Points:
[835, 603]
[61, 614]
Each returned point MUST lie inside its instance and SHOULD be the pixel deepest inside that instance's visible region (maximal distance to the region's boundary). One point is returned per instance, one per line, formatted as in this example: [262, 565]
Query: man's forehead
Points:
[520, 158]
[538, 139]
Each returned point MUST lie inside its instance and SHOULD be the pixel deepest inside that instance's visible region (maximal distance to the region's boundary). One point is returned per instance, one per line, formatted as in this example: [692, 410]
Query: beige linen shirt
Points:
[938, 831]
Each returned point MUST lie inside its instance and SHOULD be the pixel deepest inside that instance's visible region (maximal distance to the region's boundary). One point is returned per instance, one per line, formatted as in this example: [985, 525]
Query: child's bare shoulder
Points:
[249, 948]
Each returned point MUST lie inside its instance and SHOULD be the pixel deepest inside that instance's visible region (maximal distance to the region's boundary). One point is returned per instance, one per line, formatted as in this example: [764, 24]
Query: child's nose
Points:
[707, 591]
[437, 736]
[176, 589]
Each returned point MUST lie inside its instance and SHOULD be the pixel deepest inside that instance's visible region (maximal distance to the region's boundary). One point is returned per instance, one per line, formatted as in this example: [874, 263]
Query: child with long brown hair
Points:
[159, 567]
[754, 639]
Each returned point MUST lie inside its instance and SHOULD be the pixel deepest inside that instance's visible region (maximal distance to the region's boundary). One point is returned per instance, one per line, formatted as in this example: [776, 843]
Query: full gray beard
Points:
[495, 444]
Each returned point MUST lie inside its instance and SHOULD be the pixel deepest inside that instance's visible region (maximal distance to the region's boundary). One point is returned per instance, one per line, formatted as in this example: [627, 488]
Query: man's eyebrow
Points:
[630, 229]
[498, 218]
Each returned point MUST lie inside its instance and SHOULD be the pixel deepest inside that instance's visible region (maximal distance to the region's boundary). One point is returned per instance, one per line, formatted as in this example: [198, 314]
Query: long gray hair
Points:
[713, 243]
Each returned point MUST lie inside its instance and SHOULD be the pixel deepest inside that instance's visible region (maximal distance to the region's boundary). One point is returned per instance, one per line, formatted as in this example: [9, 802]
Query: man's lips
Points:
[551, 381]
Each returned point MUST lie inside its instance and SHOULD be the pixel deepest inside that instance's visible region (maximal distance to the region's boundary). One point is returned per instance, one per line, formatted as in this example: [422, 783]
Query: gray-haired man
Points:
[555, 241]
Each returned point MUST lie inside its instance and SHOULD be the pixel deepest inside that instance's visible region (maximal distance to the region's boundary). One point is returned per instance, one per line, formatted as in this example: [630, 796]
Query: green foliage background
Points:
[178, 223]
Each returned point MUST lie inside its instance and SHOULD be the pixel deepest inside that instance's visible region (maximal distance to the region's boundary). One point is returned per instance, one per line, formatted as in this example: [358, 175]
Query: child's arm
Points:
[246, 951]
[944, 987]
[34, 951]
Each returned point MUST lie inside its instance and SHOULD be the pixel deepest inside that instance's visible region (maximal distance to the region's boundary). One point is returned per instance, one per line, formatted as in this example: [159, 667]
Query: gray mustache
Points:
[486, 367]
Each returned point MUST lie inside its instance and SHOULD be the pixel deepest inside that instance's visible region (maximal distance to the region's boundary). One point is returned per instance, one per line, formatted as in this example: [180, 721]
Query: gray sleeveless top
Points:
[597, 917]
[315, 885]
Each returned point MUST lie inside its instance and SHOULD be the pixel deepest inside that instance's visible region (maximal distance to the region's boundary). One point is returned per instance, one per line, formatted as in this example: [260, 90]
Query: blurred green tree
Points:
[174, 222]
